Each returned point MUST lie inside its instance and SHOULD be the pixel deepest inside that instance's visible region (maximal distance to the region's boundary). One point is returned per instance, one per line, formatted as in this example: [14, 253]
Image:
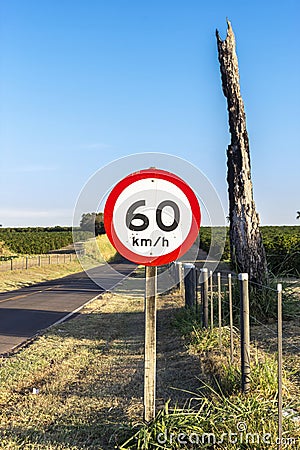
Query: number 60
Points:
[130, 216]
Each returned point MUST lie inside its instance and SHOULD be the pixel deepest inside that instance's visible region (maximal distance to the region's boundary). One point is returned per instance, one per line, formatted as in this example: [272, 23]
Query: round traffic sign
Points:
[152, 217]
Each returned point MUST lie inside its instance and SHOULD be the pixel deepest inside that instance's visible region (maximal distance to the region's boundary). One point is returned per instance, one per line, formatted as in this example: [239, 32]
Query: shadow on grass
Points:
[111, 393]
[94, 434]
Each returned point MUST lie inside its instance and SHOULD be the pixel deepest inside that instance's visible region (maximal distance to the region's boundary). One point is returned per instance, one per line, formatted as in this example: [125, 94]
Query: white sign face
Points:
[152, 217]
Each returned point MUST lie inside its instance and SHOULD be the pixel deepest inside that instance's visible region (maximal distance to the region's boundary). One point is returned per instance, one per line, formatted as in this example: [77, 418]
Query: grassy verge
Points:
[80, 386]
[100, 249]
[16, 279]
[218, 415]
[65, 390]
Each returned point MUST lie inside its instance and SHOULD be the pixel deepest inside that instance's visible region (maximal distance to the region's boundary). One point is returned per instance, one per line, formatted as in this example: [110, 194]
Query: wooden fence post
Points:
[230, 316]
[245, 332]
[196, 290]
[219, 308]
[211, 300]
[189, 285]
[204, 290]
[181, 279]
[175, 274]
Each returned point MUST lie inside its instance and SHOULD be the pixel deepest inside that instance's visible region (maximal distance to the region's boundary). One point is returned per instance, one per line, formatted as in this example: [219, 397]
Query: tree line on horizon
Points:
[93, 222]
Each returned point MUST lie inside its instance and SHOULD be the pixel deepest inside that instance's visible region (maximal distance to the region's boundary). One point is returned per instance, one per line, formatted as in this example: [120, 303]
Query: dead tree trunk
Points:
[247, 250]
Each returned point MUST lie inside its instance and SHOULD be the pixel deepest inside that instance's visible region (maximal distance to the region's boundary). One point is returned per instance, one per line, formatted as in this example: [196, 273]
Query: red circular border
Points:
[110, 229]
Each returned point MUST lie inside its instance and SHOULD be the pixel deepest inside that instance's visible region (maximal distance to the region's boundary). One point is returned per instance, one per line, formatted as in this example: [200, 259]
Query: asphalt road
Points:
[24, 312]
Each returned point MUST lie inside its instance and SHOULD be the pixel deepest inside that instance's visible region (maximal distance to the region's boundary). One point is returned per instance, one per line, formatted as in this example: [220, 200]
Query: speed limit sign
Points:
[152, 217]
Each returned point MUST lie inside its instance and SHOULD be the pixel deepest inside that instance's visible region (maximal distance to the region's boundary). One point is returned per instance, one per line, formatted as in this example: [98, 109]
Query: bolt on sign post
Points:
[151, 217]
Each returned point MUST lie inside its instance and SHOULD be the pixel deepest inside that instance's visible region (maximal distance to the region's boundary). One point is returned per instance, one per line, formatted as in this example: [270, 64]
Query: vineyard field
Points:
[282, 245]
[37, 240]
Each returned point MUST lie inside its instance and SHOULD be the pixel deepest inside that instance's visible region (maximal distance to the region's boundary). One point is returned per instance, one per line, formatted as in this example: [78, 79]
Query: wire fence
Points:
[246, 317]
[254, 320]
[27, 262]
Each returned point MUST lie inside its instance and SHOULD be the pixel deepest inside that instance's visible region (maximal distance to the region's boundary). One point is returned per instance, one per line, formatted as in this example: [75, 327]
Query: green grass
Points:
[219, 407]
[212, 421]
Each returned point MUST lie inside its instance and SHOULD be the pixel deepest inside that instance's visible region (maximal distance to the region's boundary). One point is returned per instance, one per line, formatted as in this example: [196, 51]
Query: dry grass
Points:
[4, 250]
[89, 373]
[219, 407]
[100, 249]
[16, 279]
[89, 377]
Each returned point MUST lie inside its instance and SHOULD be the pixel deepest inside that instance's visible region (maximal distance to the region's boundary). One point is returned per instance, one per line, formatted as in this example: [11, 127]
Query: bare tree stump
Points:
[246, 247]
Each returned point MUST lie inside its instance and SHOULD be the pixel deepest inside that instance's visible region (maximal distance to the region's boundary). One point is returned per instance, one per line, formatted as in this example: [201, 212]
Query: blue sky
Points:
[86, 82]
